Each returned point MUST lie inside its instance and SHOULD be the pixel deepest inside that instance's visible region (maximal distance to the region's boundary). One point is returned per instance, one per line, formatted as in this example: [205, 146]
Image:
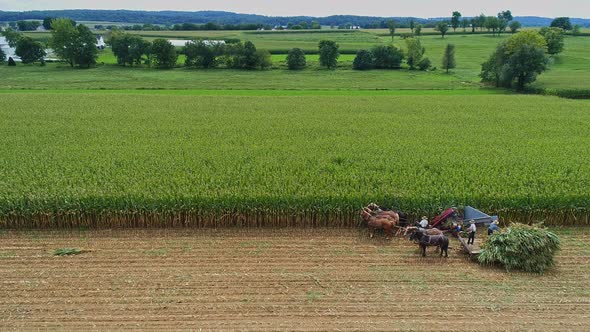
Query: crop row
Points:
[159, 160]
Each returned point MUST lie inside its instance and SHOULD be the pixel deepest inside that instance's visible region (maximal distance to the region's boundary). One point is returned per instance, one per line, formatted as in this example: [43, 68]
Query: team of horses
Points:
[377, 218]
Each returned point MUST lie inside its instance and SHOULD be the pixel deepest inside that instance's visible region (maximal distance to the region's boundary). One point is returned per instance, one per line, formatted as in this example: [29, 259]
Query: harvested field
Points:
[277, 279]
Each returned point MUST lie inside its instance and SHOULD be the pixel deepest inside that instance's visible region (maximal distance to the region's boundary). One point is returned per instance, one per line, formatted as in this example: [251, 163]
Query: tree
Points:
[2, 56]
[363, 60]
[492, 23]
[28, 25]
[418, 29]
[576, 30]
[455, 20]
[329, 54]
[412, 25]
[264, 59]
[481, 21]
[11, 62]
[296, 59]
[442, 27]
[47, 22]
[465, 23]
[518, 60]
[415, 52]
[448, 61]
[502, 25]
[63, 40]
[554, 38]
[391, 26]
[562, 22]
[129, 49]
[30, 51]
[200, 54]
[505, 15]
[424, 64]
[164, 54]
[515, 26]
[387, 57]
[473, 22]
[249, 58]
[12, 36]
[86, 51]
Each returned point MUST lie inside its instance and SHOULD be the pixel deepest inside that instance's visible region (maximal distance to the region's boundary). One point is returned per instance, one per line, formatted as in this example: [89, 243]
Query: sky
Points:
[388, 8]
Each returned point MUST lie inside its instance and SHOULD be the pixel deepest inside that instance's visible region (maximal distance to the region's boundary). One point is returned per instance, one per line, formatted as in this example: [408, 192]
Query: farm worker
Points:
[493, 227]
[424, 222]
[472, 230]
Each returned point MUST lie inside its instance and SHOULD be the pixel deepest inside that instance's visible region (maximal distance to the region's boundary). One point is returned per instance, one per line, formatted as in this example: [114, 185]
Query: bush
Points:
[11, 62]
[528, 248]
[296, 59]
[264, 59]
[387, 57]
[363, 60]
[424, 64]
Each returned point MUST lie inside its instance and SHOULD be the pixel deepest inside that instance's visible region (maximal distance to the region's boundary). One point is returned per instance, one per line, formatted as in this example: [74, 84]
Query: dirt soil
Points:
[290, 279]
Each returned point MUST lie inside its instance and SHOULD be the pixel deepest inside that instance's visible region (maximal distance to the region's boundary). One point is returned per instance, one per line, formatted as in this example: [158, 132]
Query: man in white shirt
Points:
[424, 222]
[472, 230]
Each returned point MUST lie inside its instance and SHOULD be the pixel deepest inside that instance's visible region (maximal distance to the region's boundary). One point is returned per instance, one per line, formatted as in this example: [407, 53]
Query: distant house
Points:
[100, 44]
[355, 27]
[183, 42]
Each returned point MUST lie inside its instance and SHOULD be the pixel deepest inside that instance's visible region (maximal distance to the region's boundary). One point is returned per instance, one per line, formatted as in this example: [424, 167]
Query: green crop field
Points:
[158, 159]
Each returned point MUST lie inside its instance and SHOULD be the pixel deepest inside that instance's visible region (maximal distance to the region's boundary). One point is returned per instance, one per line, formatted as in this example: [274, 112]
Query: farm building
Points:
[100, 44]
[9, 51]
[182, 42]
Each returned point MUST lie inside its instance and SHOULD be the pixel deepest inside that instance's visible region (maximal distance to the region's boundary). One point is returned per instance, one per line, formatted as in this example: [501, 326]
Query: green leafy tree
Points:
[164, 54]
[2, 56]
[363, 60]
[415, 52]
[63, 40]
[473, 22]
[442, 27]
[505, 15]
[562, 22]
[492, 24]
[465, 24]
[481, 21]
[518, 60]
[249, 58]
[30, 51]
[200, 54]
[515, 26]
[86, 52]
[424, 64]
[391, 25]
[456, 20]
[412, 25]
[387, 57]
[576, 30]
[502, 25]
[296, 59]
[12, 36]
[329, 53]
[448, 61]
[28, 25]
[264, 59]
[129, 49]
[554, 38]
[47, 22]
[418, 30]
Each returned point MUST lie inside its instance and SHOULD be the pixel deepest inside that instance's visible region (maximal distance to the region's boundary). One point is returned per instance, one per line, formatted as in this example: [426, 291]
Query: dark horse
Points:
[425, 240]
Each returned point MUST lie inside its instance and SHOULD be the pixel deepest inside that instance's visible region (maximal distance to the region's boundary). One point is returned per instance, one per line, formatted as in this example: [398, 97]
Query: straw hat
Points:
[424, 217]
[496, 222]
[472, 221]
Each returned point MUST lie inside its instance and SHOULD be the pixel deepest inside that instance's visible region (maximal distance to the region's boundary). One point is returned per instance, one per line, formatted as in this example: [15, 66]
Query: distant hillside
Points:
[219, 17]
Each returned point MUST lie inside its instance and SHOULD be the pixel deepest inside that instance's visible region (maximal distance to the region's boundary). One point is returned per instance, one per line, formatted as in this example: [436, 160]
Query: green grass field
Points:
[569, 70]
[322, 156]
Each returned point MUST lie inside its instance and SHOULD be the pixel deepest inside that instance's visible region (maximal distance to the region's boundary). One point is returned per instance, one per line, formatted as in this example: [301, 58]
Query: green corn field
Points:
[158, 160]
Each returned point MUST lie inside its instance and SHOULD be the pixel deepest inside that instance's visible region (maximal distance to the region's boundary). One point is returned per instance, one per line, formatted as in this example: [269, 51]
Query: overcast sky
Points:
[417, 8]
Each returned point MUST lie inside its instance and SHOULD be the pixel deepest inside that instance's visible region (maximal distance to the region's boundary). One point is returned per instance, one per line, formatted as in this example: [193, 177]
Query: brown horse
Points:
[376, 222]
[389, 214]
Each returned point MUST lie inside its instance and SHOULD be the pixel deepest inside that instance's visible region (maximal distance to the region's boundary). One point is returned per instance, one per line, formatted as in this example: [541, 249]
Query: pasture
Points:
[568, 70]
[297, 280]
[161, 159]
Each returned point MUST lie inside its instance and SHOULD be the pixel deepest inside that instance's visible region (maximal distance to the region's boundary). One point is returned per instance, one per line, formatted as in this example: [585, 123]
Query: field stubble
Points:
[277, 279]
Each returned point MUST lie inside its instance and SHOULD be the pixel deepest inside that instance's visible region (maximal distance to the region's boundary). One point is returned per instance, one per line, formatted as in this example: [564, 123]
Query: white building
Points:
[9, 51]
[182, 42]
[100, 44]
